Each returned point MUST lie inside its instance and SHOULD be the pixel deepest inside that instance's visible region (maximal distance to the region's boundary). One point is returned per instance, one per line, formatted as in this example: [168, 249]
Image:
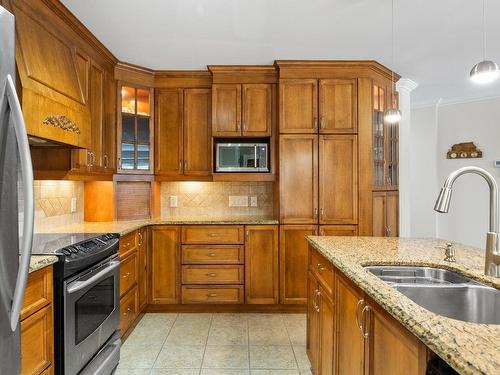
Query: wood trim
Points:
[43, 279]
[134, 74]
[227, 308]
[182, 79]
[243, 73]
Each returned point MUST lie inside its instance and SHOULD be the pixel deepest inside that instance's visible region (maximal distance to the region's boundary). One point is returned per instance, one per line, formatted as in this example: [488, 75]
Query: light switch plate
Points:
[173, 200]
[73, 205]
[238, 201]
[253, 201]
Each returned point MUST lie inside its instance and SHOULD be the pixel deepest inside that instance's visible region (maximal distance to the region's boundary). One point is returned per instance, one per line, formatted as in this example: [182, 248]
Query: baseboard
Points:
[213, 308]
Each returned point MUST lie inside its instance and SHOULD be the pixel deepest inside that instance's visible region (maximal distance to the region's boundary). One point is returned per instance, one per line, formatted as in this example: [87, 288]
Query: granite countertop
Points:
[124, 227]
[37, 262]
[469, 348]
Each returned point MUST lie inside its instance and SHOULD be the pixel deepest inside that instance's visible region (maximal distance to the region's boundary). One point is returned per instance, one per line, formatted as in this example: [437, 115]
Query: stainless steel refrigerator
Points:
[16, 203]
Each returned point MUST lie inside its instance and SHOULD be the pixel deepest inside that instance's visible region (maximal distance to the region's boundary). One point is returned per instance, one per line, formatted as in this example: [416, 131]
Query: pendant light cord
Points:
[484, 29]
[393, 84]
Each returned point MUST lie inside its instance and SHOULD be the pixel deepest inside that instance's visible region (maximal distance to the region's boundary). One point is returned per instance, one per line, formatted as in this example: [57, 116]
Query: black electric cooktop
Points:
[53, 243]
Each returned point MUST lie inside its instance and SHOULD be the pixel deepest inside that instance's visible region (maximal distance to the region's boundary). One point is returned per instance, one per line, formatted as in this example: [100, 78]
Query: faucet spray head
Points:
[443, 201]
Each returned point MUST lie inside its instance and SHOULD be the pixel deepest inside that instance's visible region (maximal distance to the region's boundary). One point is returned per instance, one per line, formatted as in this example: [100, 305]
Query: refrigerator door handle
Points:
[29, 208]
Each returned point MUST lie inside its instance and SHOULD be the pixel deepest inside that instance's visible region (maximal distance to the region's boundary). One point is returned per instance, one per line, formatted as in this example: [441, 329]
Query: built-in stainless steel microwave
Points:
[242, 157]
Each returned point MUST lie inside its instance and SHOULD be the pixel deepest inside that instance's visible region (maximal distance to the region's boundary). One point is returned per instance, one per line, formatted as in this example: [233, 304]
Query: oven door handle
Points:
[75, 286]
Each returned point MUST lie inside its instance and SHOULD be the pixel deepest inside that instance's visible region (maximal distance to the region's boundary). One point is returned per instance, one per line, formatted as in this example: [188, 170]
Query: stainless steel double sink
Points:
[443, 292]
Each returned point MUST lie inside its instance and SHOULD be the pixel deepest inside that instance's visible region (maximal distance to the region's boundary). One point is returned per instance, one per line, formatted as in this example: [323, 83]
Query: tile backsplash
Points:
[212, 198]
[53, 203]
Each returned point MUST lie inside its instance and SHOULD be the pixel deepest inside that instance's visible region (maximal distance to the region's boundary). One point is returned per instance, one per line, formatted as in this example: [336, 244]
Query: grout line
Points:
[206, 343]
[163, 344]
[291, 344]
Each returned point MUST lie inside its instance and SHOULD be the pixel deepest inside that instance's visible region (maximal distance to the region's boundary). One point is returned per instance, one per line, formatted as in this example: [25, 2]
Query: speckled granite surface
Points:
[124, 227]
[37, 262]
[468, 347]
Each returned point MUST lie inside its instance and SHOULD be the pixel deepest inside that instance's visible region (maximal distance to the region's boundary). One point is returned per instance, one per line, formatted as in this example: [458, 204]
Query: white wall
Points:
[441, 127]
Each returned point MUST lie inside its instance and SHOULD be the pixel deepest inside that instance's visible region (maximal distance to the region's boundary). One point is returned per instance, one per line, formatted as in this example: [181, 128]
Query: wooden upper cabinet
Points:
[298, 103]
[338, 106]
[164, 268]
[261, 264]
[97, 115]
[385, 214]
[109, 130]
[53, 74]
[391, 348]
[226, 111]
[293, 262]
[257, 110]
[298, 179]
[197, 139]
[169, 131]
[338, 174]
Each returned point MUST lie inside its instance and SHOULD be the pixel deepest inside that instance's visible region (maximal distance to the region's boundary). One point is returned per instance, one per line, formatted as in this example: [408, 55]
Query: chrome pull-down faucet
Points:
[492, 261]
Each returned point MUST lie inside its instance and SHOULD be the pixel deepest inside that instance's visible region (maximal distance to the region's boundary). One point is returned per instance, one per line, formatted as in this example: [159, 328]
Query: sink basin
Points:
[418, 275]
[443, 292]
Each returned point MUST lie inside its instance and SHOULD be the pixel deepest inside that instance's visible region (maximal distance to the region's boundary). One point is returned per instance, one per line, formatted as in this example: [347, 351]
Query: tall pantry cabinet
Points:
[326, 158]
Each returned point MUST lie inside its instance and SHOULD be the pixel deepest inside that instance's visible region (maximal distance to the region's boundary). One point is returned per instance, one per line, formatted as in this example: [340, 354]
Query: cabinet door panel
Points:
[327, 334]
[293, 263]
[97, 114]
[165, 263]
[109, 137]
[298, 106]
[338, 161]
[197, 160]
[261, 264]
[257, 110]
[313, 334]
[392, 213]
[378, 212]
[338, 106]
[168, 128]
[392, 349]
[299, 170]
[350, 342]
[37, 342]
[226, 111]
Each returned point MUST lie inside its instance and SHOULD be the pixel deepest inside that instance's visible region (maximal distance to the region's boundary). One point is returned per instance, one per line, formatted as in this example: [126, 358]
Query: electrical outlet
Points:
[173, 200]
[238, 201]
[73, 205]
[253, 201]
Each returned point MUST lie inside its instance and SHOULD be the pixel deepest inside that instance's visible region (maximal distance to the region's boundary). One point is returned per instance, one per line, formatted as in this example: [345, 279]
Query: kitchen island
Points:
[467, 347]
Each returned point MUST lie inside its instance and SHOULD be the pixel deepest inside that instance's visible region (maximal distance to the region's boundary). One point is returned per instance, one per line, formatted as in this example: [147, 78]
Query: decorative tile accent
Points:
[212, 198]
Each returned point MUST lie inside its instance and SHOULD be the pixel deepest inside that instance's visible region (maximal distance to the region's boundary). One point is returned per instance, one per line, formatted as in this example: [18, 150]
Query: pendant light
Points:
[485, 71]
[392, 115]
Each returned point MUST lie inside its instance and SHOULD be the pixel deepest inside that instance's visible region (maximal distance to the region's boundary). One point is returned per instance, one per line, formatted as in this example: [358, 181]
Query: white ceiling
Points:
[437, 41]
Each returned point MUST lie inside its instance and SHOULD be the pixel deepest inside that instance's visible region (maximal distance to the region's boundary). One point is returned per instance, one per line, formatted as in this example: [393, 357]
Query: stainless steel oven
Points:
[242, 157]
[91, 317]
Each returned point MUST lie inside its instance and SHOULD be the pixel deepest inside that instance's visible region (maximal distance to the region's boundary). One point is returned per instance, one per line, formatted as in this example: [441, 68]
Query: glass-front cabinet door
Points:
[135, 130]
[385, 140]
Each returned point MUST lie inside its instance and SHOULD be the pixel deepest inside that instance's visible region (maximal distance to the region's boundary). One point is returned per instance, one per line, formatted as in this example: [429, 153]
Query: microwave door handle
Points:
[75, 286]
[29, 208]
[255, 156]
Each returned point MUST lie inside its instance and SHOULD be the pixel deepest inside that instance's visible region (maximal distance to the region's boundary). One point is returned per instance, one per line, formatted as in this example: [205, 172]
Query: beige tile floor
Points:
[216, 344]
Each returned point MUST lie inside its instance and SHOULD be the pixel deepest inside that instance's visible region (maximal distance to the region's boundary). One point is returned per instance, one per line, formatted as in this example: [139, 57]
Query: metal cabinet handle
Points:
[126, 276]
[315, 305]
[321, 122]
[318, 294]
[211, 274]
[315, 123]
[321, 213]
[212, 235]
[360, 325]
[366, 333]
[316, 212]
[180, 165]
[321, 268]
[212, 295]
[28, 195]
[247, 234]
[105, 157]
[211, 254]
[139, 234]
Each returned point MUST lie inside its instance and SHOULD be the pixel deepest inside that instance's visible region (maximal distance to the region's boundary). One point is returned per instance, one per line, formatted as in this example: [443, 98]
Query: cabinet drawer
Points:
[206, 294]
[212, 234]
[129, 309]
[128, 244]
[212, 275]
[37, 342]
[128, 273]
[38, 291]
[215, 254]
[322, 268]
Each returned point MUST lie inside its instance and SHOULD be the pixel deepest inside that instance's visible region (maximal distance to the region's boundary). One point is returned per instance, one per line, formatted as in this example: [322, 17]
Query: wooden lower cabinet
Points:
[37, 328]
[218, 294]
[261, 264]
[348, 333]
[164, 265]
[142, 274]
[293, 262]
[129, 309]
